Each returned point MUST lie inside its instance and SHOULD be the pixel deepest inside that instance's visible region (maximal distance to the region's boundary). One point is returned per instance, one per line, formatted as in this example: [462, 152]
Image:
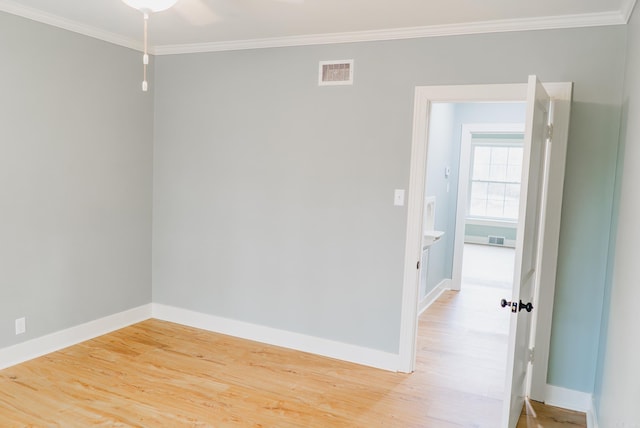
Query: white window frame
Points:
[489, 143]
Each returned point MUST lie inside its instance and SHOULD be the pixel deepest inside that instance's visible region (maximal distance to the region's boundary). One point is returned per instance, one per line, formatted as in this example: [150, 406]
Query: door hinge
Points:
[549, 131]
[530, 354]
[418, 265]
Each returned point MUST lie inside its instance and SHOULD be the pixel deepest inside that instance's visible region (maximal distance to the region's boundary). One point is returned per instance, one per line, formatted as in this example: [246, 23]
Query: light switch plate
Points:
[398, 197]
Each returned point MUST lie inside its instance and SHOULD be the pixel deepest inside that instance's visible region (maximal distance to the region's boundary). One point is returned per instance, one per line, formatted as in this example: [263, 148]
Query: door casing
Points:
[560, 94]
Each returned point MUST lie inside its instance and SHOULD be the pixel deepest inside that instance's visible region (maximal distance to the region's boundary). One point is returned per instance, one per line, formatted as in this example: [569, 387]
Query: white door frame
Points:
[463, 187]
[426, 95]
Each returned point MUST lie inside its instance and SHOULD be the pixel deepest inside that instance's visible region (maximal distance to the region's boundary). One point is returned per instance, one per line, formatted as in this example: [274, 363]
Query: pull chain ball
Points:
[147, 7]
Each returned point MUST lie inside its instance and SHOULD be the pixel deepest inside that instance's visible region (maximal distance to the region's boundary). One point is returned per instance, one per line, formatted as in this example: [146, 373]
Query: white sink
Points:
[430, 237]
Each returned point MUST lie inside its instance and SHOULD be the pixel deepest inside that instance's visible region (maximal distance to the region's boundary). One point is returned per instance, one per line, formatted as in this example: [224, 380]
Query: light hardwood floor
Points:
[158, 374]
[538, 415]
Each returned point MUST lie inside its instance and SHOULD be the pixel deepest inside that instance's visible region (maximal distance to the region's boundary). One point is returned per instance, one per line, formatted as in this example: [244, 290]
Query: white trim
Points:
[568, 399]
[619, 17]
[37, 347]
[433, 295]
[414, 236]
[424, 96]
[18, 9]
[560, 94]
[277, 337]
[592, 415]
[626, 9]
[497, 26]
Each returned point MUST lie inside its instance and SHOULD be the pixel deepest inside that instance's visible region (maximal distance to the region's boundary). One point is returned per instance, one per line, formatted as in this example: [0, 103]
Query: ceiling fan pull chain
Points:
[145, 57]
[147, 7]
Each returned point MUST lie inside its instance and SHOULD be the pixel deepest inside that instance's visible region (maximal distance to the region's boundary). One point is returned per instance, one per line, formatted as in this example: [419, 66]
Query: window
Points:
[496, 169]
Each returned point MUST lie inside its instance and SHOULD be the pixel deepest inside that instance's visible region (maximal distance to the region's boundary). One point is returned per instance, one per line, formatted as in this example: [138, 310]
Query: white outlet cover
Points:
[398, 197]
[21, 325]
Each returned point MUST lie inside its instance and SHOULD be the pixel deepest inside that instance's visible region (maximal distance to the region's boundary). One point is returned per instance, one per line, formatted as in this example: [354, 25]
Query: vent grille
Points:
[336, 72]
[496, 240]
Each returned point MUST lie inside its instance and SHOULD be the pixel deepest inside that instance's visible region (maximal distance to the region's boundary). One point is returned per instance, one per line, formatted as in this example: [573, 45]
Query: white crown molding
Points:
[526, 24]
[15, 8]
[626, 9]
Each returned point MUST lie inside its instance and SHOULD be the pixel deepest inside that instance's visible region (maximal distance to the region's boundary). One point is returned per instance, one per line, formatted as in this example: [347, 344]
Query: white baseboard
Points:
[433, 295]
[272, 336]
[592, 416]
[37, 347]
[568, 399]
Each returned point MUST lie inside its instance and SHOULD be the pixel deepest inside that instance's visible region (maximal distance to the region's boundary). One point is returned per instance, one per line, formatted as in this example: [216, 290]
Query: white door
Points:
[527, 245]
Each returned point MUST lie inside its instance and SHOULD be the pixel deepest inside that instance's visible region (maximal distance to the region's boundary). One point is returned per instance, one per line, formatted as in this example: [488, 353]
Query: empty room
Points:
[221, 213]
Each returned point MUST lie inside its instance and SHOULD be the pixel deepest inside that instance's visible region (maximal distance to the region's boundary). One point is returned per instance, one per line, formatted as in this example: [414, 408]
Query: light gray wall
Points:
[438, 158]
[273, 197]
[75, 179]
[618, 376]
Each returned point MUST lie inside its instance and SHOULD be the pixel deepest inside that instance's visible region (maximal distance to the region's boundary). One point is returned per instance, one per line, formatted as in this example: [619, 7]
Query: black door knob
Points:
[528, 307]
[504, 303]
[516, 307]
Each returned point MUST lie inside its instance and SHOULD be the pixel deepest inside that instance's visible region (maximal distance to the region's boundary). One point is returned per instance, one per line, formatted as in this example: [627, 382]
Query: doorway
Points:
[473, 183]
[489, 180]
[554, 154]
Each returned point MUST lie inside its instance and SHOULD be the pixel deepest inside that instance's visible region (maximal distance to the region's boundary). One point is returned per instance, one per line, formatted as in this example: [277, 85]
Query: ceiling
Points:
[214, 25]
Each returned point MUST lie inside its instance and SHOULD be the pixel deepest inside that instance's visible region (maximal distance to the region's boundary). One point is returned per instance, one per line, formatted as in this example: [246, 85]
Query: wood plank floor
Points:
[538, 415]
[158, 374]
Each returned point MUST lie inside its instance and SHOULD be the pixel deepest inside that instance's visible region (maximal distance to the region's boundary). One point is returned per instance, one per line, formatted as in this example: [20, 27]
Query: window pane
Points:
[494, 208]
[495, 191]
[511, 209]
[498, 173]
[479, 190]
[514, 173]
[482, 154]
[478, 208]
[515, 155]
[499, 155]
[495, 181]
[512, 192]
[480, 171]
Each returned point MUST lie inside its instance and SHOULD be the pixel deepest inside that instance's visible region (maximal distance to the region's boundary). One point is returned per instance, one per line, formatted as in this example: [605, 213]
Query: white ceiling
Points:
[210, 25]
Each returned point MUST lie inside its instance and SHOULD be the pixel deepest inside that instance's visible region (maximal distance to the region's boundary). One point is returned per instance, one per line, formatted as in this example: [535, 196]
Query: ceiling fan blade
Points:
[196, 12]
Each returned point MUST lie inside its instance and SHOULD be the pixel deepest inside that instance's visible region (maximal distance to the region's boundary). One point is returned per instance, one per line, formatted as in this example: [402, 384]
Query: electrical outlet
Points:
[21, 325]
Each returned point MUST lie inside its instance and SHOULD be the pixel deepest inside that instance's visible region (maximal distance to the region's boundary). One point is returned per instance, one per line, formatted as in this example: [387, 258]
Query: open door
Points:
[527, 245]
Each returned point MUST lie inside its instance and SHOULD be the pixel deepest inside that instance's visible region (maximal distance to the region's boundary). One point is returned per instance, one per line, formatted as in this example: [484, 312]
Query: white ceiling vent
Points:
[336, 72]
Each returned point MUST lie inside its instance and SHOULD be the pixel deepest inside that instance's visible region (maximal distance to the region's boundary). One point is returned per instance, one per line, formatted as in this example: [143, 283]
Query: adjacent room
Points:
[204, 212]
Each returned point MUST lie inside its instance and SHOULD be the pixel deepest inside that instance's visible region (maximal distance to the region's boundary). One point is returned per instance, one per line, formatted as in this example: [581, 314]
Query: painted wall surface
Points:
[484, 231]
[75, 179]
[273, 196]
[617, 391]
[438, 185]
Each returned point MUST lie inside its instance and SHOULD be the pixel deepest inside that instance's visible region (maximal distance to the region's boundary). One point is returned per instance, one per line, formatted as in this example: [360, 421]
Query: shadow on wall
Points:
[589, 206]
[613, 236]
